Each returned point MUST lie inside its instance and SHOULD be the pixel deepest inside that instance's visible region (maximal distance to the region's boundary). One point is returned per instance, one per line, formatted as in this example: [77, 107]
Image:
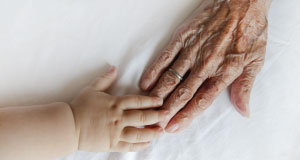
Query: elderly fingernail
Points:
[246, 112]
[173, 128]
[242, 108]
[145, 84]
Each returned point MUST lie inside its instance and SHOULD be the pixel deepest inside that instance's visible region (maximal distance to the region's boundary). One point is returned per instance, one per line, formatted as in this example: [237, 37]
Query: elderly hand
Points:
[221, 44]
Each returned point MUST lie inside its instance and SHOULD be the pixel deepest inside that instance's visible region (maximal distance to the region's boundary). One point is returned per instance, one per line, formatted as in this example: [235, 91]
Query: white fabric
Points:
[49, 50]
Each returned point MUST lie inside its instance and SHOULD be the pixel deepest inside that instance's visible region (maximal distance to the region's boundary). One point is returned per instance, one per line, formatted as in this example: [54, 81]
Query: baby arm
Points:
[94, 121]
[36, 132]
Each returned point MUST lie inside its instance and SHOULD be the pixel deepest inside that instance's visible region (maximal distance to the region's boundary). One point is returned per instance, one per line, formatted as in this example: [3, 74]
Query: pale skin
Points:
[222, 44]
[94, 121]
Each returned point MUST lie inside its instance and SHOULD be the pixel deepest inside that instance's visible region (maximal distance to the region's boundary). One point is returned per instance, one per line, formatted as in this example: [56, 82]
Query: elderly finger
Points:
[138, 135]
[207, 63]
[139, 102]
[151, 75]
[170, 80]
[241, 87]
[198, 104]
[205, 96]
[183, 93]
[144, 117]
[182, 39]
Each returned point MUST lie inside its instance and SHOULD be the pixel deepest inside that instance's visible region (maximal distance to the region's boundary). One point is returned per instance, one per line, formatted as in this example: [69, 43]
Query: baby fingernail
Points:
[173, 128]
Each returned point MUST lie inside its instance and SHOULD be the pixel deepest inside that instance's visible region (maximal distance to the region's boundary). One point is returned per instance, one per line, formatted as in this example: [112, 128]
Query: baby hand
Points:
[106, 123]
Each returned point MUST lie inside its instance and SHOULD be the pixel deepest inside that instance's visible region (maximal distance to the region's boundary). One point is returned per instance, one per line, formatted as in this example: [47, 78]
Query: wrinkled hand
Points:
[220, 45]
[108, 123]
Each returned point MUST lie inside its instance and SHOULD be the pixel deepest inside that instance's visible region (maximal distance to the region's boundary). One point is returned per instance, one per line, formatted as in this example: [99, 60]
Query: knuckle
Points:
[185, 59]
[169, 79]
[117, 120]
[184, 93]
[117, 104]
[221, 83]
[201, 102]
[199, 76]
[199, 108]
[116, 117]
[165, 55]
[167, 82]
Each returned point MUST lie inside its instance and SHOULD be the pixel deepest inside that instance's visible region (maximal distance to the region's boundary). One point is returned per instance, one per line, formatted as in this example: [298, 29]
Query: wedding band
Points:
[176, 74]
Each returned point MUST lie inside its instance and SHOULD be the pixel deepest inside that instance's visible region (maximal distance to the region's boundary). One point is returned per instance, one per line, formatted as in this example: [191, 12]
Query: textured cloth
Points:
[51, 49]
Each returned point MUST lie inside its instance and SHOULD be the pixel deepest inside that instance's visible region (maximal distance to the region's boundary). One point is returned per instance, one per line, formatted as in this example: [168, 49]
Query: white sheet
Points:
[49, 50]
